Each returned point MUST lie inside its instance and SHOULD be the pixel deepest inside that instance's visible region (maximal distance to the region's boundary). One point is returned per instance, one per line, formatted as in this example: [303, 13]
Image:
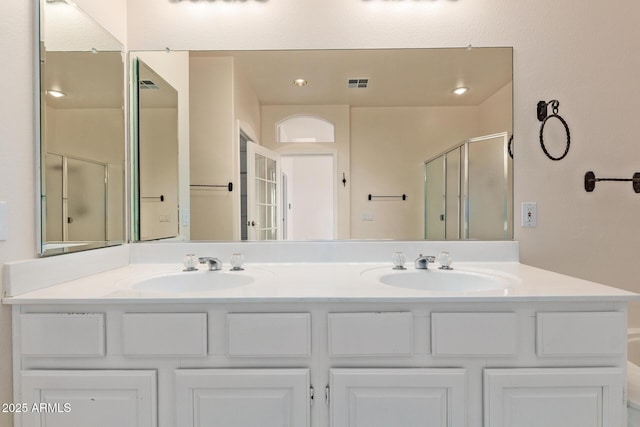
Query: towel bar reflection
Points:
[228, 186]
[372, 196]
[590, 181]
[160, 197]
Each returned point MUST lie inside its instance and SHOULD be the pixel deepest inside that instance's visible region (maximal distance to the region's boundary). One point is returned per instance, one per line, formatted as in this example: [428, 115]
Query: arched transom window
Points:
[305, 129]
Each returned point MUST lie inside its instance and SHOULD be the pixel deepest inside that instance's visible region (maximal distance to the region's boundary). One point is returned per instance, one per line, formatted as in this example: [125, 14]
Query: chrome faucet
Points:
[213, 263]
[422, 262]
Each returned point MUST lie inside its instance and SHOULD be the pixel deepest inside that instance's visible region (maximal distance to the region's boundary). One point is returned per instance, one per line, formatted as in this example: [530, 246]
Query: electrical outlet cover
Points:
[529, 216]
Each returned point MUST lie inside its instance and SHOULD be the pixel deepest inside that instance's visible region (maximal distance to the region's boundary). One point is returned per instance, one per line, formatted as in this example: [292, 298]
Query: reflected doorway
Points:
[309, 208]
[260, 192]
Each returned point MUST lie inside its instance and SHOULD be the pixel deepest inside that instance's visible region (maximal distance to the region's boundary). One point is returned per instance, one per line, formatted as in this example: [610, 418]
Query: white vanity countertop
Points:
[319, 282]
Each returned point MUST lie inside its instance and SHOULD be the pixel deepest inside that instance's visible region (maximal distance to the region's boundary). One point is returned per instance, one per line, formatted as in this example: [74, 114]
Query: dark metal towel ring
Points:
[543, 117]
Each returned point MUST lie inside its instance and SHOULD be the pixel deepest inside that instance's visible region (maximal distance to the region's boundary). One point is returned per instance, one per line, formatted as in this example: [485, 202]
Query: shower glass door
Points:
[86, 201]
[468, 191]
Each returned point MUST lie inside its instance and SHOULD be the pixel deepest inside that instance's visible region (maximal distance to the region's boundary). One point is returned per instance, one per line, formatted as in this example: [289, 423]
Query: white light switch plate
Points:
[3, 220]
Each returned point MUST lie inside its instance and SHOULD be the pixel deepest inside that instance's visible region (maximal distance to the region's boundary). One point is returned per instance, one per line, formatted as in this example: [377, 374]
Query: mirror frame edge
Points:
[37, 119]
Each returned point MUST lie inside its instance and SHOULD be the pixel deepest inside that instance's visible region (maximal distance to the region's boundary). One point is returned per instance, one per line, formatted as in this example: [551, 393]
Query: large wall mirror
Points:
[82, 132]
[332, 144]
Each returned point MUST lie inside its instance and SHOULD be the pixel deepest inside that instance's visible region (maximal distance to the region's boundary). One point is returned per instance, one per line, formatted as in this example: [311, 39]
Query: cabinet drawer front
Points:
[269, 334]
[370, 334]
[62, 334]
[474, 334]
[164, 334]
[581, 334]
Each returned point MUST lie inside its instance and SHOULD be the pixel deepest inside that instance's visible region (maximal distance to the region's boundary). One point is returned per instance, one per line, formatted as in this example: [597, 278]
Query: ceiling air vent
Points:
[148, 84]
[358, 83]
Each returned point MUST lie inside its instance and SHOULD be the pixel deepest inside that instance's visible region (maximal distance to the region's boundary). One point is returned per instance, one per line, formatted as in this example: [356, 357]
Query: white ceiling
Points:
[397, 77]
[89, 80]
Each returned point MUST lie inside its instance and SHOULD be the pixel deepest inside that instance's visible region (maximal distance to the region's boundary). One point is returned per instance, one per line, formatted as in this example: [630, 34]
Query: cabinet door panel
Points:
[398, 397]
[89, 398]
[556, 397]
[242, 397]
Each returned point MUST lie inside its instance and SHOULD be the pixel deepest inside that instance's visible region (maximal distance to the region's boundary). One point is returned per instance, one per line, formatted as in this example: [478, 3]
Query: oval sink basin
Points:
[446, 280]
[192, 281]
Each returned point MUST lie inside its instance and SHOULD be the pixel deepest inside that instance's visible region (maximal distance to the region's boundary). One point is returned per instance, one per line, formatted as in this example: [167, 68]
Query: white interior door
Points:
[263, 193]
[310, 206]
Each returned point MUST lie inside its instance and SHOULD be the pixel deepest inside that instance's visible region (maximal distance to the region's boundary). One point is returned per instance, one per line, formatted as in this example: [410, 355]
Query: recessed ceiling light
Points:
[300, 82]
[56, 93]
[460, 90]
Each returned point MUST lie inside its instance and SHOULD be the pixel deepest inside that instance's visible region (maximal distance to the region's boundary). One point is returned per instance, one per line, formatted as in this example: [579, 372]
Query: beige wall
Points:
[158, 172]
[212, 153]
[247, 106]
[496, 113]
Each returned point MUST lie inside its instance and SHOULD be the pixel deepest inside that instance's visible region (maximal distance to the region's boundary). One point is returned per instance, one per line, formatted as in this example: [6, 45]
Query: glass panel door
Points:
[452, 194]
[263, 193]
[435, 199]
[488, 193]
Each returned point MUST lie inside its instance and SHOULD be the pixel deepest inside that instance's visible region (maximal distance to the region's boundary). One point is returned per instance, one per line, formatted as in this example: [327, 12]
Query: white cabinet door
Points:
[242, 397]
[554, 397]
[89, 398]
[398, 397]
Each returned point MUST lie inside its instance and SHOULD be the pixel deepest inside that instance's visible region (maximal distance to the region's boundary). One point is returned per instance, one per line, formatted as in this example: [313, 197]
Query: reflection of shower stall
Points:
[76, 199]
[468, 191]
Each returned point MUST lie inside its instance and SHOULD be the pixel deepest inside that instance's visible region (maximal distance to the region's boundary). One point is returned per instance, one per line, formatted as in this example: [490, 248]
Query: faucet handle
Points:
[190, 262]
[444, 258]
[398, 261]
[213, 262]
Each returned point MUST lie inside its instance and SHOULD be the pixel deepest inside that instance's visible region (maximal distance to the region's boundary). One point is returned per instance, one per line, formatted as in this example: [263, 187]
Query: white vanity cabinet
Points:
[324, 364]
